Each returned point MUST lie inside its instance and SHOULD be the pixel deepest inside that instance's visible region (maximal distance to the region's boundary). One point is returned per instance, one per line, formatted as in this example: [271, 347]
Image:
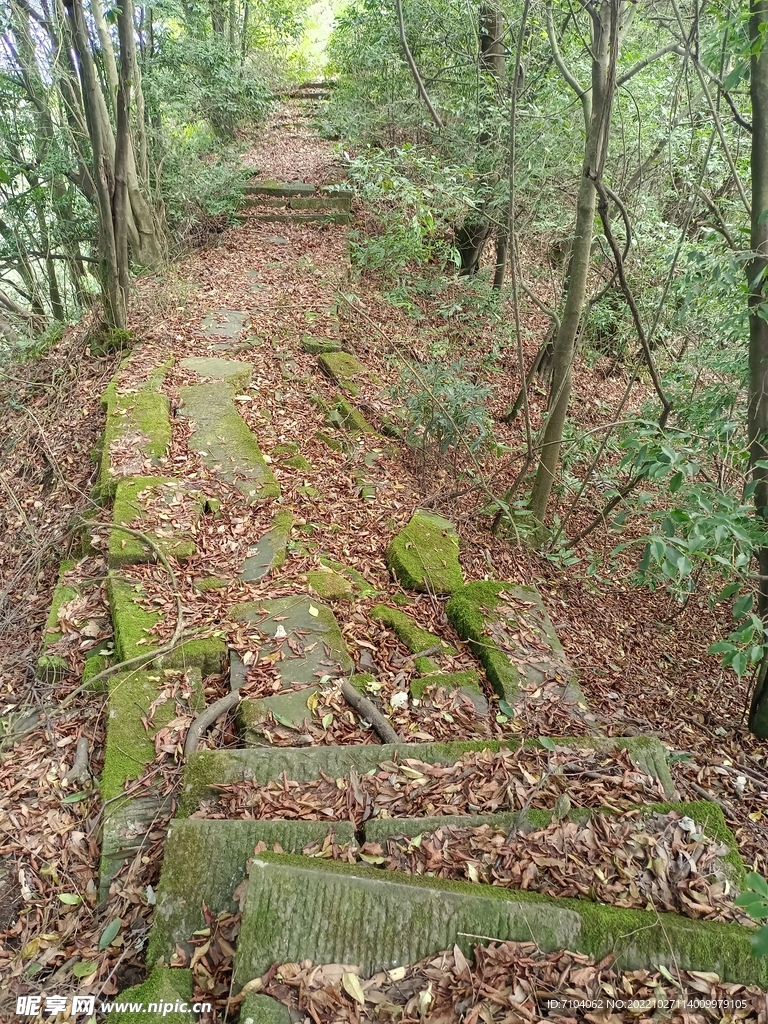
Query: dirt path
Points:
[261, 538]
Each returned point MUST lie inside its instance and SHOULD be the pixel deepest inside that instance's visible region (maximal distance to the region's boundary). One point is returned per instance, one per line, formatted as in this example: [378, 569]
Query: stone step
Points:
[281, 189]
[204, 863]
[206, 770]
[299, 218]
[206, 859]
[299, 908]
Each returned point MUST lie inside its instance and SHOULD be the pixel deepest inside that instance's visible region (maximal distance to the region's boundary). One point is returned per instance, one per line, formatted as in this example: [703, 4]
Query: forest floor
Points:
[639, 657]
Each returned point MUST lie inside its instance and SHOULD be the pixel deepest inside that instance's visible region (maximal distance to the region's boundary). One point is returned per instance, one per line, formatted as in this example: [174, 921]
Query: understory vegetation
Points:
[601, 235]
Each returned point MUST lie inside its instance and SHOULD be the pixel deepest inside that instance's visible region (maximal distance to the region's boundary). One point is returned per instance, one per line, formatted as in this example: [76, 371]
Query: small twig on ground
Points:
[369, 712]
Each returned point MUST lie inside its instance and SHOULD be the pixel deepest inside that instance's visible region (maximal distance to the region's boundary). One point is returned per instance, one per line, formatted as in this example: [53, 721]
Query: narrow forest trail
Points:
[264, 540]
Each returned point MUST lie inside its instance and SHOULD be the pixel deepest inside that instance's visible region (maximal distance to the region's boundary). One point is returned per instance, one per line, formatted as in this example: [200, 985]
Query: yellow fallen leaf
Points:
[352, 986]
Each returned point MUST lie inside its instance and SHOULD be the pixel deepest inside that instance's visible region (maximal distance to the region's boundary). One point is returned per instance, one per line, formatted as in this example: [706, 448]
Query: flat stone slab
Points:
[235, 373]
[223, 439]
[205, 861]
[224, 323]
[342, 368]
[165, 990]
[125, 832]
[510, 632]
[297, 908]
[269, 551]
[468, 682]
[315, 346]
[131, 497]
[210, 768]
[298, 624]
[133, 625]
[330, 585]
[425, 555]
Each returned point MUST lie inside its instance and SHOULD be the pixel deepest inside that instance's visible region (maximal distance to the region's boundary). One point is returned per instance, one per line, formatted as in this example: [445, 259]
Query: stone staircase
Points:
[324, 896]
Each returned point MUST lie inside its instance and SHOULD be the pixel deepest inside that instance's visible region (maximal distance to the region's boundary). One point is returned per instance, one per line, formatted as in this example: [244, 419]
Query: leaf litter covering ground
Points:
[477, 783]
[661, 862]
[634, 652]
[509, 983]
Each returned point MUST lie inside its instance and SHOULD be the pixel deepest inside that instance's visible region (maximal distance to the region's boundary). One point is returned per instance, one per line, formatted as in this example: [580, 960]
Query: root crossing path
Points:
[264, 547]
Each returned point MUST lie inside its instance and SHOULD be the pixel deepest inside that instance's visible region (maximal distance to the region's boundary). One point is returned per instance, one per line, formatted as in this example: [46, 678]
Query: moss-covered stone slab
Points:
[269, 552]
[133, 625]
[425, 555]
[510, 632]
[208, 769]
[230, 370]
[256, 718]
[159, 999]
[139, 421]
[357, 581]
[330, 585]
[129, 748]
[52, 668]
[205, 861]
[344, 415]
[221, 436]
[301, 623]
[324, 202]
[315, 346]
[337, 913]
[126, 829]
[301, 218]
[131, 497]
[410, 633]
[342, 368]
[132, 622]
[259, 1009]
[224, 323]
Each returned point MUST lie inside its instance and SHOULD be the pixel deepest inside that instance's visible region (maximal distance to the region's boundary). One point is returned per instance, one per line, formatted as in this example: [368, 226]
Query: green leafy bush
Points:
[443, 408]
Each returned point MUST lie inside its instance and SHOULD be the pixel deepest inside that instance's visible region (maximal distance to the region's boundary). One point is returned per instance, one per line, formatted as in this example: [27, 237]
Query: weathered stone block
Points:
[204, 863]
[269, 552]
[342, 368]
[491, 616]
[336, 913]
[223, 439]
[235, 373]
[425, 555]
[131, 496]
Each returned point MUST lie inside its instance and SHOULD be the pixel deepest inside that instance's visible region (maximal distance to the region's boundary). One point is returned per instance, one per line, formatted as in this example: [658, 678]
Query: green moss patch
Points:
[159, 996]
[52, 668]
[330, 585]
[358, 582]
[222, 438]
[425, 555]
[342, 368]
[493, 616]
[144, 417]
[131, 496]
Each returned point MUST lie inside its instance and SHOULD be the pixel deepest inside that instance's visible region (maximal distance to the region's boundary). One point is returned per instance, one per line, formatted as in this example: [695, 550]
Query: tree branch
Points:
[412, 65]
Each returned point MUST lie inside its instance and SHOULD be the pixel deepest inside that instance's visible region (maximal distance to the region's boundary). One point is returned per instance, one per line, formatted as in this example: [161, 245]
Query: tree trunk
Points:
[113, 297]
[756, 269]
[605, 36]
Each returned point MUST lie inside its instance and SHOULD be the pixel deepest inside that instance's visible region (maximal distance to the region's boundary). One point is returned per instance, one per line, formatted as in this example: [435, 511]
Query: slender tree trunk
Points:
[113, 297]
[605, 35]
[757, 268]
